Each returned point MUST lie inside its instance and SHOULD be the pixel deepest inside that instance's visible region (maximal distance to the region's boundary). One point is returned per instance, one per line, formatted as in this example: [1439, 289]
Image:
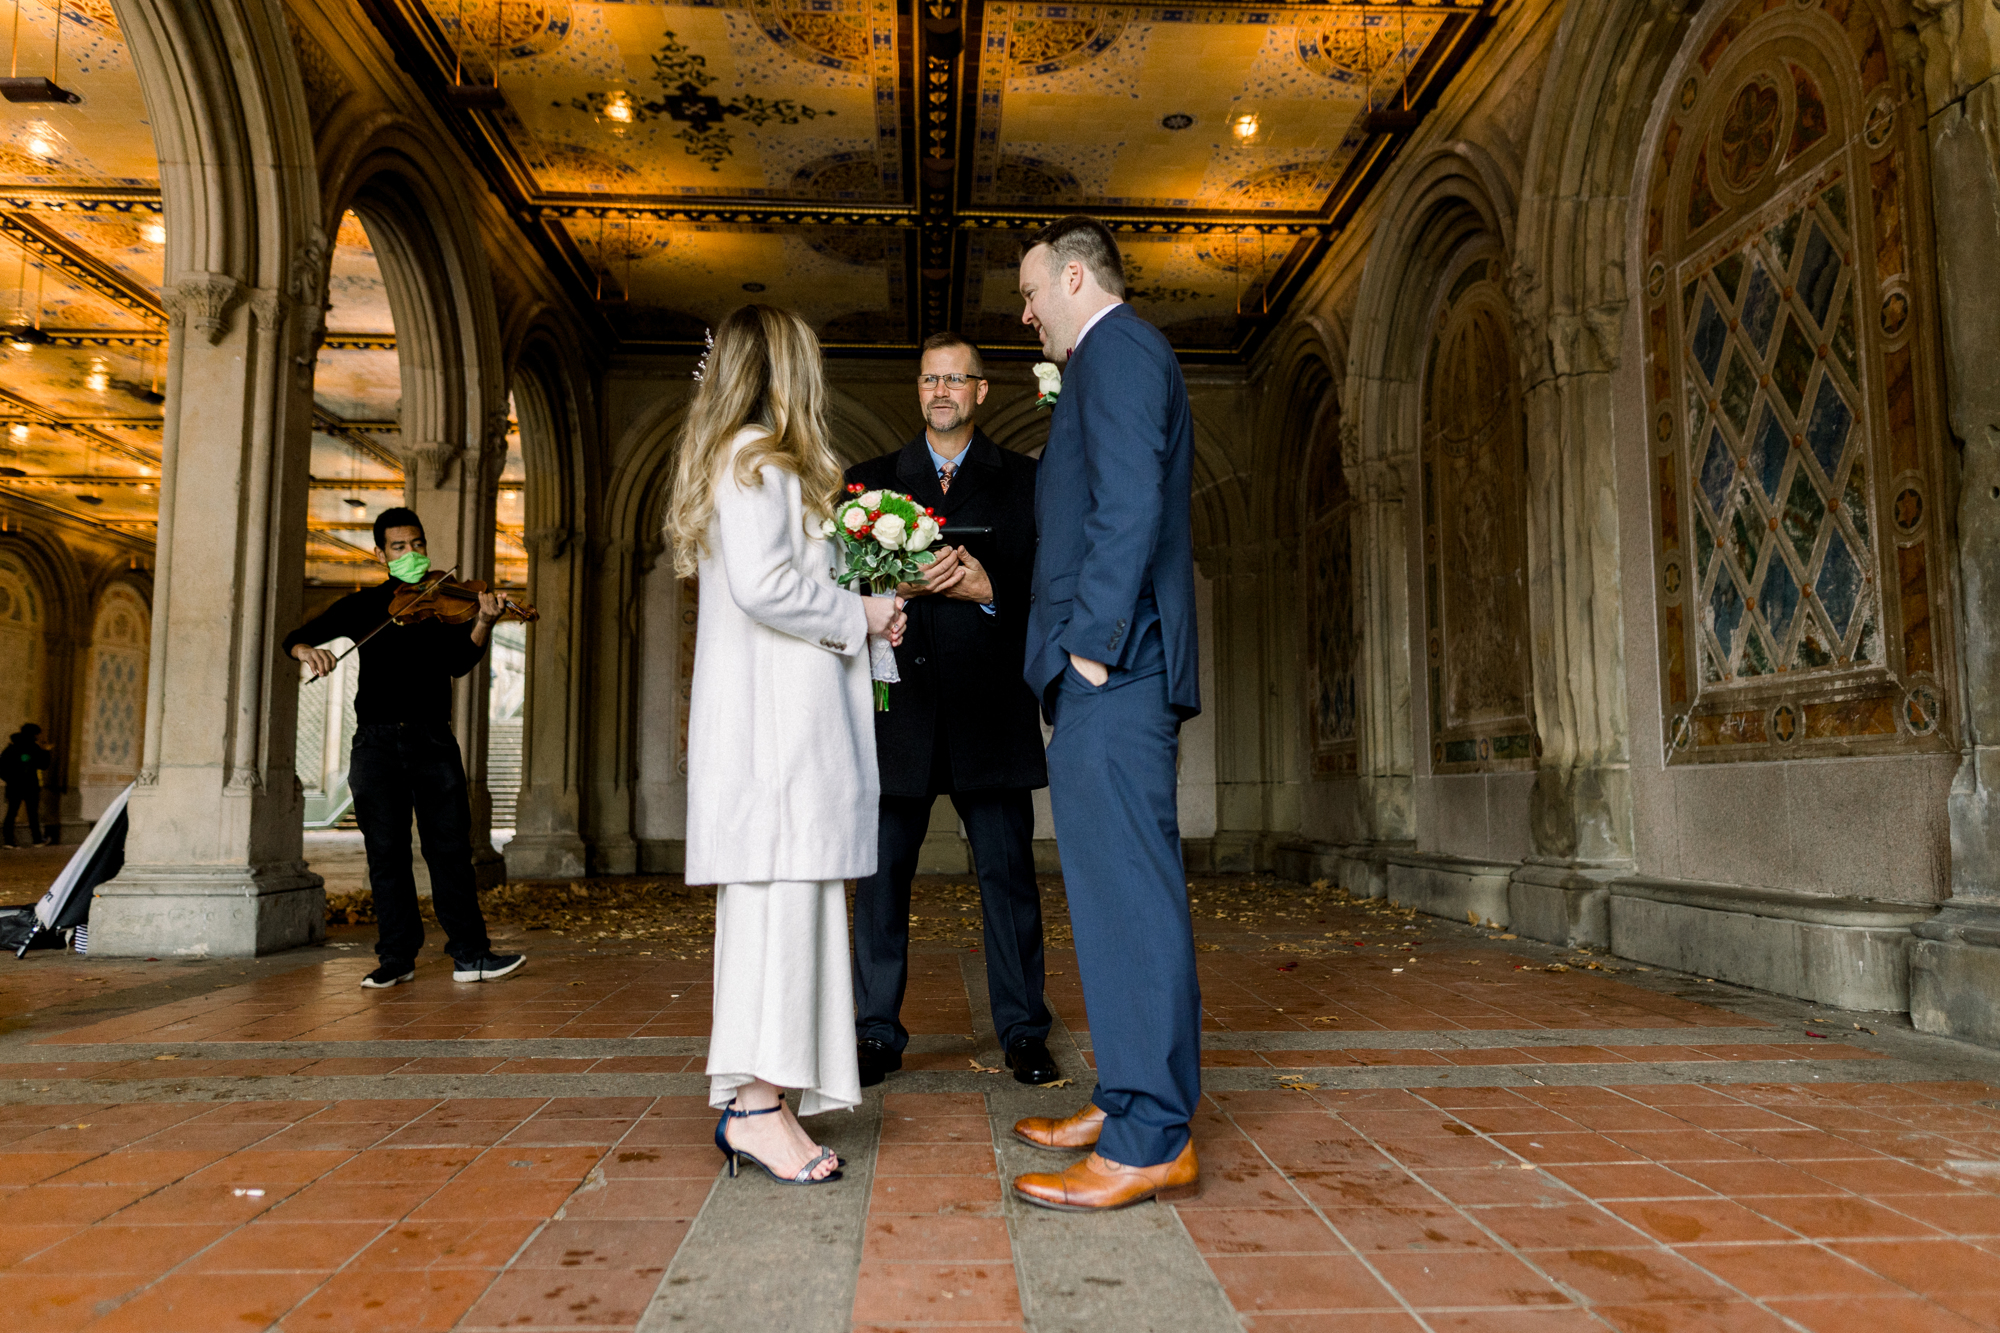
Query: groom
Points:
[1111, 654]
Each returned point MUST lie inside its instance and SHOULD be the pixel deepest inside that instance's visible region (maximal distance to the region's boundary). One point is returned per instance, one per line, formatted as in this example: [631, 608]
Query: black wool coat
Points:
[961, 668]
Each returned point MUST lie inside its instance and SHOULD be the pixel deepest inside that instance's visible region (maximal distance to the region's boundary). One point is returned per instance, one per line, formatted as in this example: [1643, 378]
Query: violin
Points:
[440, 597]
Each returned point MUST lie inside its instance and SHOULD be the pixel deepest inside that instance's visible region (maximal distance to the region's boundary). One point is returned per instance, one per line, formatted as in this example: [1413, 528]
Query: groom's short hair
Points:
[1088, 242]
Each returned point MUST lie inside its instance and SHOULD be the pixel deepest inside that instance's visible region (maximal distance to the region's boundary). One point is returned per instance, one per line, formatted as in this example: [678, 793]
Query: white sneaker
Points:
[490, 968]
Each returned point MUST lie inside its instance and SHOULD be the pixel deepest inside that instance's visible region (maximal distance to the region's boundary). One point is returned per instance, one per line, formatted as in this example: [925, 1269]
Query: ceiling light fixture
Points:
[19, 430]
[155, 233]
[99, 378]
[618, 107]
[34, 88]
[1244, 126]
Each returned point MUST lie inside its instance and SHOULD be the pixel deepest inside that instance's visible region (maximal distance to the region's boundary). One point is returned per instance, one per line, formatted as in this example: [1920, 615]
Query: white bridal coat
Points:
[782, 783]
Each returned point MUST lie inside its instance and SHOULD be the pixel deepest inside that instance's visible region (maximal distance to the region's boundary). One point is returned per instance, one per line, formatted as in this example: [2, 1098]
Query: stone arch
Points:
[453, 412]
[1455, 197]
[447, 332]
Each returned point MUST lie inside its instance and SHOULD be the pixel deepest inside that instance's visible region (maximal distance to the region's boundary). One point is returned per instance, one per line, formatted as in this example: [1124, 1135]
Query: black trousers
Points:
[19, 798]
[398, 770]
[1001, 827]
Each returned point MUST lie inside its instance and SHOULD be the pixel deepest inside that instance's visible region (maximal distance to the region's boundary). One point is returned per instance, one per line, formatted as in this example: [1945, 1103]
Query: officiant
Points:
[961, 723]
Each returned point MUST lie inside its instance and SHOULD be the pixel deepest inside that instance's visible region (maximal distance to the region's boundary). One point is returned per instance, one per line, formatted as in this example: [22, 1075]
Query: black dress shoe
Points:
[1031, 1062]
[878, 1060]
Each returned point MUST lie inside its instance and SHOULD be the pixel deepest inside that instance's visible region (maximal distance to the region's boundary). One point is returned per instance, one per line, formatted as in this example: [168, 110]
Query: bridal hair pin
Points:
[708, 345]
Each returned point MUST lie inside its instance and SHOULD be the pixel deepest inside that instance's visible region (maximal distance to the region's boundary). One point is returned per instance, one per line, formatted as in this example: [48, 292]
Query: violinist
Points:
[406, 761]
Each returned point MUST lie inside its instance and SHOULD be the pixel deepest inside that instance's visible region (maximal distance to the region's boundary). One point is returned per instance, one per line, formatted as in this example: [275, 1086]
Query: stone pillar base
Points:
[1451, 886]
[1848, 952]
[552, 856]
[1561, 905]
[1955, 974]
[224, 912]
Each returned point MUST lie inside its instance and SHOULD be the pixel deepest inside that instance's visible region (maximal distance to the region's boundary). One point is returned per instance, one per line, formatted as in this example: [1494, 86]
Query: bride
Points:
[782, 783]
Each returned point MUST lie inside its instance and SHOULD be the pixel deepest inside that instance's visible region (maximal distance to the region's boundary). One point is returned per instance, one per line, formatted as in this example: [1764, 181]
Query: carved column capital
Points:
[204, 301]
[548, 543]
[431, 460]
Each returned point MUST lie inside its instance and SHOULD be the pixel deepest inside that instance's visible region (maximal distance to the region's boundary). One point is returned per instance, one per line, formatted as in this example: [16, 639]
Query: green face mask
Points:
[410, 566]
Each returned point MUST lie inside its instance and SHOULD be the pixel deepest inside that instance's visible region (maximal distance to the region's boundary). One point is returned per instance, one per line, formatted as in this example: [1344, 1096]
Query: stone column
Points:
[1386, 762]
[213, 861]
[613, 709]
[1955, 963]
[454, 489]
[548, 838]
[1582, 806]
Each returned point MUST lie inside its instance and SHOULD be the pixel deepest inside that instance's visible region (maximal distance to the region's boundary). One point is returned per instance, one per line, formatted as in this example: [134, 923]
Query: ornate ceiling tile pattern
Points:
[687, 156]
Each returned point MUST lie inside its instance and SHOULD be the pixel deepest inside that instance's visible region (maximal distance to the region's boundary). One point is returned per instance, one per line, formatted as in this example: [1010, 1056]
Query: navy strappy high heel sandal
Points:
[733, 1154]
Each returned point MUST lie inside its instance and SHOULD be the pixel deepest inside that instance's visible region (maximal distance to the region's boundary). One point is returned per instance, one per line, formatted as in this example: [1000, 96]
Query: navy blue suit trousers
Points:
[1112, 777]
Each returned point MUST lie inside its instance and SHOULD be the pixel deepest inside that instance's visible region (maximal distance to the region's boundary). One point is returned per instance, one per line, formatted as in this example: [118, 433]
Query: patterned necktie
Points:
[946, 471]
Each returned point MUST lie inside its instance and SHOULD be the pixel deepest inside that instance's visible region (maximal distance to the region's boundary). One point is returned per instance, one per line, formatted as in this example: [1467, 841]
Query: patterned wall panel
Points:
[21, 650]
[1791, 383]
[115, 702]
[1332, 646]
[1474, 532]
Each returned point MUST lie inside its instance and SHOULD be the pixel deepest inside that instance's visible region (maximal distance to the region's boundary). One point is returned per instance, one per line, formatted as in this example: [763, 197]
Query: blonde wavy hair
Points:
[765, 370]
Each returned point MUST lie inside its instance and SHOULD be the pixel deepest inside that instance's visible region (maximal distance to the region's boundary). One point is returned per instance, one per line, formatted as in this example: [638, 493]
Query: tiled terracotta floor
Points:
[160, 1172]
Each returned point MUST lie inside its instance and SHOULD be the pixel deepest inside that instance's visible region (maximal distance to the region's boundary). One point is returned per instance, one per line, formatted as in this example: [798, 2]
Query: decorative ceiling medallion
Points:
[819, 34]
[683, 78]
[1365, 47]
[1179, 120]
[1046, 45]
[486, 33]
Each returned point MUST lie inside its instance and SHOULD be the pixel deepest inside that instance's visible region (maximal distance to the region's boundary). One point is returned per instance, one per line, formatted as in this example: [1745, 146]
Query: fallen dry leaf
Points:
[1296, 1083]
[978, 1068]
[1059, 1083]
[1555, 967]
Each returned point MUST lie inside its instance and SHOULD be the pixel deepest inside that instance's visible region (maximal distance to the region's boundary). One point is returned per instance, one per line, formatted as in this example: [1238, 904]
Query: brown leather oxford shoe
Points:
[1069, 1134]
[1097, 1183]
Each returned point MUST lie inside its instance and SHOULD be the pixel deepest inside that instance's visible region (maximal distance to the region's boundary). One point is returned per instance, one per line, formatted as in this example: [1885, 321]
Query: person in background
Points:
[22, 764]
[406, 762]
[961, 723]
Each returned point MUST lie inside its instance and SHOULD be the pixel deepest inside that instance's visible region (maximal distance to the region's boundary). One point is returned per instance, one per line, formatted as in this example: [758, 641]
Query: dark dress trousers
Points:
[1114, 583]
[961, 724]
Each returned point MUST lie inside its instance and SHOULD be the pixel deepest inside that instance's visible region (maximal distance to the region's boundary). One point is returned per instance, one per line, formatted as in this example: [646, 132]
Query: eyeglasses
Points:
[952, 381]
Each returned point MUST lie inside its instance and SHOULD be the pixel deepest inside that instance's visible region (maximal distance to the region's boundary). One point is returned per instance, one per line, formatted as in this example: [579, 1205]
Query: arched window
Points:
[1475, 538]
[1790, 379]
[115, 699]
[22, 656]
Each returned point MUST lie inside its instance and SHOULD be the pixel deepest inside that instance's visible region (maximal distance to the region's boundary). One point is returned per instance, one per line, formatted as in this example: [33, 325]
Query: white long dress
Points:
[782, 791]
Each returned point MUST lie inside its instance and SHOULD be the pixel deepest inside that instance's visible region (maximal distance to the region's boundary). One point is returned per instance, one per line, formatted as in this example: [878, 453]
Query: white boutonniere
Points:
[1048, 378]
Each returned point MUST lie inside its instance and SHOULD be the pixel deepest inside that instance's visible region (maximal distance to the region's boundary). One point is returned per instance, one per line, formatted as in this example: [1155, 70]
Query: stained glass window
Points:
[1793, 400]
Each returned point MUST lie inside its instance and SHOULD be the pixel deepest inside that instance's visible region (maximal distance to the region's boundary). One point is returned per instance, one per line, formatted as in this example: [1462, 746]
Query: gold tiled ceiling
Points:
[876, 169]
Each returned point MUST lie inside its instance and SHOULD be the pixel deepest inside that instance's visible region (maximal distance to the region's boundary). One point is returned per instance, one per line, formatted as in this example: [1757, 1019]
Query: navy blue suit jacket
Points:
[1112, 505]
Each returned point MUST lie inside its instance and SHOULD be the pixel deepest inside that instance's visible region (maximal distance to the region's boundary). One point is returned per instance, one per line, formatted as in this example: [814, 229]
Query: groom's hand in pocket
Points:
[1094, 672]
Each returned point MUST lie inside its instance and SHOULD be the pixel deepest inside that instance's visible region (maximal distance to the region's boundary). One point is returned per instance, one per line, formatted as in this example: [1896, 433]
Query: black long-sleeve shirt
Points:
[406, 670]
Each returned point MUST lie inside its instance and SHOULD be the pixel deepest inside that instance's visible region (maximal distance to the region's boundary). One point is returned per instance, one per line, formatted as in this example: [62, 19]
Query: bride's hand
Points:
[886, 618]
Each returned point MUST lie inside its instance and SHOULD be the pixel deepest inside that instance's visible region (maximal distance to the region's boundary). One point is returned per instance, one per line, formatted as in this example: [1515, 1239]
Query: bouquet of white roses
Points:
[887, 537]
